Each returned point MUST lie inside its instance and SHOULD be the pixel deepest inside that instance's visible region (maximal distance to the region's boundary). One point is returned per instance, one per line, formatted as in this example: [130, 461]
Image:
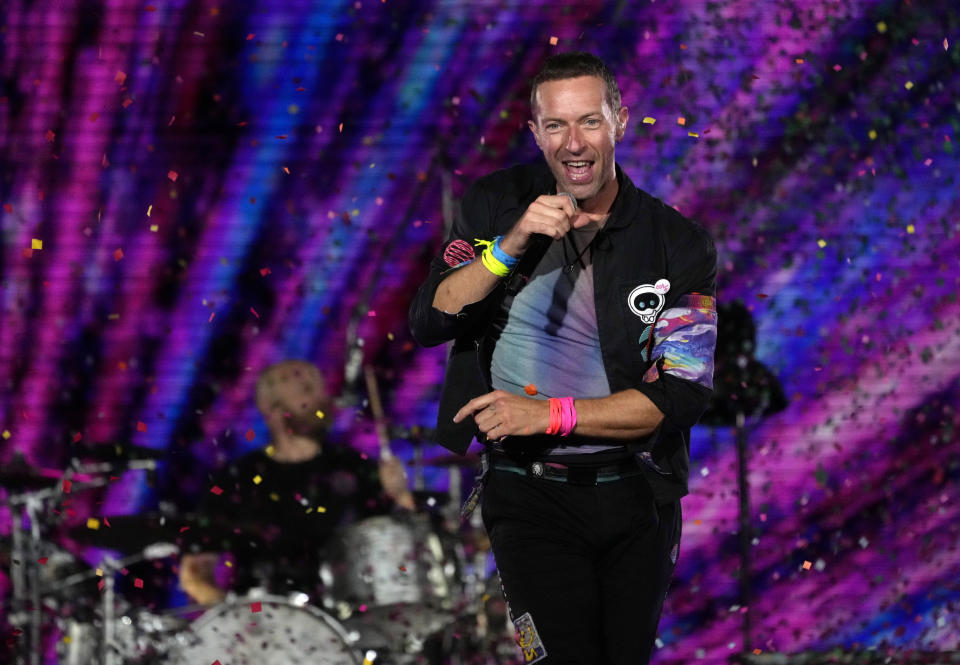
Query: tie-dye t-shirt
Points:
[550, 336]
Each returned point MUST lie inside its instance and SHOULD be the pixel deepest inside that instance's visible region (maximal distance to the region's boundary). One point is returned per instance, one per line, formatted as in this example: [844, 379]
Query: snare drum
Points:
[263, 630]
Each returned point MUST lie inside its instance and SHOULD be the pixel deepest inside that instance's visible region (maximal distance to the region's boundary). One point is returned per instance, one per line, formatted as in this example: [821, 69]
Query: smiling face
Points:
[576, 129]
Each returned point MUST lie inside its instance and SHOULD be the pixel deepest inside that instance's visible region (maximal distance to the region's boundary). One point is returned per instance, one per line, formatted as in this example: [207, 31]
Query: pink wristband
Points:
[568, 416]
[563, 416]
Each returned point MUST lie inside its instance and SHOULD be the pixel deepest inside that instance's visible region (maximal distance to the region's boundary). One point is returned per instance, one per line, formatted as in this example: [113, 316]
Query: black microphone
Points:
[539, 244]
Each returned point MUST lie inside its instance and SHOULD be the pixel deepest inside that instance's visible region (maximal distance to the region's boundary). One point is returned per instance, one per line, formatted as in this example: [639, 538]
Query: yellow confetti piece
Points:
[911, 228]
[154, 228]
[693, 134]
[228, 564]
[6, 434]
[320, 414]
[99, 572]
[93, 523]
[257, 479]
[274, 496]
[822, 243]
[881, 27]
[553, 41]
[908, 85]
[872, 134]
[149, 209]
[321, 509]
[648, 120]
[270, 450]
[36, 243]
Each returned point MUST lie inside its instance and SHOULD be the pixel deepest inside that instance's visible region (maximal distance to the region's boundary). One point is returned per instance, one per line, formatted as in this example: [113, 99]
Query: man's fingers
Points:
[472, 406]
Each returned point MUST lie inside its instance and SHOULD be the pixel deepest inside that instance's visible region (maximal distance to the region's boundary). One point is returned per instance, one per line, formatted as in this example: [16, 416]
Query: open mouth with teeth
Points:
[578, 170]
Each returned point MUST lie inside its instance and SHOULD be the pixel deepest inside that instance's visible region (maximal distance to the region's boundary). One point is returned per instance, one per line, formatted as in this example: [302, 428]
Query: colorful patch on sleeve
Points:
[528, 639]
[685, 336]
[458, 252]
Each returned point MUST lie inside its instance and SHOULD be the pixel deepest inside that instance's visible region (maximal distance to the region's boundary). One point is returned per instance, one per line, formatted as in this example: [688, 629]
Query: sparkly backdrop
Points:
[193, 189]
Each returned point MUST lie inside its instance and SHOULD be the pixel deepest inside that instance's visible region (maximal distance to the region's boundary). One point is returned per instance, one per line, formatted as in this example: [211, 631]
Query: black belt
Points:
[568, 473]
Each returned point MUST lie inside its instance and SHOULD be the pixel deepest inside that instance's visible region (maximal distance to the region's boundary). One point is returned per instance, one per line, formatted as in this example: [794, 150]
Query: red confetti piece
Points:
[106, 521]
[7, 207]
[138, 583]
[172, 175]
[254, 312]
[141, 426]
[100, 585]
[530, 389]
[212, 314]
[120, 77]
[250, 36]
[255, 607]
[127, 102]
[50, 135]
[250, 435]
[216, 490]
[264, 272]
[77, 437]
[66, 486]
[42, 560]
[117, 254]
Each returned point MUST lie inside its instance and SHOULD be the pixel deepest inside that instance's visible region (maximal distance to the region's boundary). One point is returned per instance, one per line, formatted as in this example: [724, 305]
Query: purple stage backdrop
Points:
[192, 189]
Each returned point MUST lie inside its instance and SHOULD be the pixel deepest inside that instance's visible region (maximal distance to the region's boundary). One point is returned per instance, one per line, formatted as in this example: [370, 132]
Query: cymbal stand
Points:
[26, 579]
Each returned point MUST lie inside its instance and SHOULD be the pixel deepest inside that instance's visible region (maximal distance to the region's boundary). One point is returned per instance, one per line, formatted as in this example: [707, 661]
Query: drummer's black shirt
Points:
[287, 512]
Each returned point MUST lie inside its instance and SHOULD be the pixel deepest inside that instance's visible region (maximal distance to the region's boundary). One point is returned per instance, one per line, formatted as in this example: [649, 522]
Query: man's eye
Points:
[593, 122]
[552, 126]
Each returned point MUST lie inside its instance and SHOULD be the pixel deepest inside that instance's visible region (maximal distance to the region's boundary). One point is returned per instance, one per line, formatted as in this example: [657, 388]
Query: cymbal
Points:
[29, 478]
[111, 452]
[470, 460]
[133, 533]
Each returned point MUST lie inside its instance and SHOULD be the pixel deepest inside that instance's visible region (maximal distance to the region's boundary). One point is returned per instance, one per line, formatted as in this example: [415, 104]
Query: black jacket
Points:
[642, 242]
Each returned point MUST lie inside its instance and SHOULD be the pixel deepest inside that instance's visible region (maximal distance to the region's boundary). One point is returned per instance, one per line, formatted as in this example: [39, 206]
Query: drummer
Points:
[293, 493]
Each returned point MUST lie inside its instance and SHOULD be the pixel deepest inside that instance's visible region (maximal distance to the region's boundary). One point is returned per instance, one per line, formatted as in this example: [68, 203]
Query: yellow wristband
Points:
[493, 264]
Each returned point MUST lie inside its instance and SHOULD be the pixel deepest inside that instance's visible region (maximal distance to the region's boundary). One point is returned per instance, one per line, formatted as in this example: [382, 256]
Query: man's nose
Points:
[575, 141]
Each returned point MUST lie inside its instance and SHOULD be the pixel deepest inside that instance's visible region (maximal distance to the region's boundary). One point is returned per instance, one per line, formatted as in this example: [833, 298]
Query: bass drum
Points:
[263, 630]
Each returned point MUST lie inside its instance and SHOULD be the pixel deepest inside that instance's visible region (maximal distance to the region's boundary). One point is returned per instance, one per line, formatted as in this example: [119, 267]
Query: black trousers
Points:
[584, 569]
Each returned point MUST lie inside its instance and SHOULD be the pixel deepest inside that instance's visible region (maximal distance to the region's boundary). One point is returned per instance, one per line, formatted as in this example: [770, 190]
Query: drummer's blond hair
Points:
[266, 396]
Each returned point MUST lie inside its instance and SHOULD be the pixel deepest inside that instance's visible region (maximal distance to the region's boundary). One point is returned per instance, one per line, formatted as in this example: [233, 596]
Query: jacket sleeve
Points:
[680, 379]
[474, 220]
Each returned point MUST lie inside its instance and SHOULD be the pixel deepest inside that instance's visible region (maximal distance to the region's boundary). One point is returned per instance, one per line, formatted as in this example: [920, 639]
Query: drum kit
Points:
[399, 589]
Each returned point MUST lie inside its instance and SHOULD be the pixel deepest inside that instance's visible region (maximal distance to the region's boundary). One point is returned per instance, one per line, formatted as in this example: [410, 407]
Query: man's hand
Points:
[549, 215]
[197, 577]
[499, 414]
[393, 479]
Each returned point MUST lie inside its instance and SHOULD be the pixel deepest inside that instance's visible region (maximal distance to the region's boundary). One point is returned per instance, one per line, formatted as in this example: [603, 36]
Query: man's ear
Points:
[535, 131]
[622, 116]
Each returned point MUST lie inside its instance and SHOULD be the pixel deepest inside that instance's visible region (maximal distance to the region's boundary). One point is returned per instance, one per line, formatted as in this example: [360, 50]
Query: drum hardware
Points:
[30, 508]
